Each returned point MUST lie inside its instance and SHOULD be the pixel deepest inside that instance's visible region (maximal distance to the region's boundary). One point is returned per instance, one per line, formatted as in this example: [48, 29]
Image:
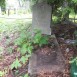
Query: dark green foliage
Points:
[73, 62]
[61, 8]
[16, 64]
[24, 59]
[73, 69]
[25, 43]
[39, 39]
[2, 4]
[20, 41]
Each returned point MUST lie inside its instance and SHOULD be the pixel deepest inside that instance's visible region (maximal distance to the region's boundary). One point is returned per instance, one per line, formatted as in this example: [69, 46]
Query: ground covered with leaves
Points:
[7, 59]
[13, 65]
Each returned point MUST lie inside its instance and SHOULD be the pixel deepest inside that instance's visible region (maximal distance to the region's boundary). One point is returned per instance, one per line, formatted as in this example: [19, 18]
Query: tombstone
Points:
[47, 59]
[42, 18]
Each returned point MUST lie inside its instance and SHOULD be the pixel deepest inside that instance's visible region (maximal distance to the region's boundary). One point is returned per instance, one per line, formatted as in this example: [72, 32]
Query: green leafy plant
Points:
[26, 75]
[24, 59]
[73, 62]
[18, 29]
[24, 40]
[1, 49]
[25, 43]
[73, 69]
[39, 39]
[16, 64]
[24, 47]
[1, 73]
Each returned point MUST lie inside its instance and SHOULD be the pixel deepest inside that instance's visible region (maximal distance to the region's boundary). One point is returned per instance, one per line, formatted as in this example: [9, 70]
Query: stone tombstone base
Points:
[46, 60]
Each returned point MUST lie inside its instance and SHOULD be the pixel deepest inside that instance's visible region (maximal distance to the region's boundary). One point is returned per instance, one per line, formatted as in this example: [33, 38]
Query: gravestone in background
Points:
[42, 18]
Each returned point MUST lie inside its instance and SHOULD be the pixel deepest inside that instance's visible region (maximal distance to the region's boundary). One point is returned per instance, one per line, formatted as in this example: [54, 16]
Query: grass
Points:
[9, 26]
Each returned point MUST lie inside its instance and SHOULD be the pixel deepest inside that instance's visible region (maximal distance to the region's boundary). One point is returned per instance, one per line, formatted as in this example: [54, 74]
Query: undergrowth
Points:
[23, 42]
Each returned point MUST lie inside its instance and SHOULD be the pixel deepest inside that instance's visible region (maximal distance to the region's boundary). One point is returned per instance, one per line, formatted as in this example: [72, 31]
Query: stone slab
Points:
[46, 59]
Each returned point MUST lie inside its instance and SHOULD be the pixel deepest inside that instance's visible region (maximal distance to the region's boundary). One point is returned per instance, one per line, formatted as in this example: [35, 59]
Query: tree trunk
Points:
[66, 15]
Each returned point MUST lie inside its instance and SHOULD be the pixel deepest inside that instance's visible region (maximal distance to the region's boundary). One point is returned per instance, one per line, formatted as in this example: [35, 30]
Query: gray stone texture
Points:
[42, 18]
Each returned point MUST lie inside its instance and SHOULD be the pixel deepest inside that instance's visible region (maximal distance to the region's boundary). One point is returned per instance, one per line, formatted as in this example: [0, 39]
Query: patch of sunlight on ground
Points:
[17, 16]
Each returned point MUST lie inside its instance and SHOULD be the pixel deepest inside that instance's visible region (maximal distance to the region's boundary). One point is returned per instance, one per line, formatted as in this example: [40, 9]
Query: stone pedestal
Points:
[46, 60]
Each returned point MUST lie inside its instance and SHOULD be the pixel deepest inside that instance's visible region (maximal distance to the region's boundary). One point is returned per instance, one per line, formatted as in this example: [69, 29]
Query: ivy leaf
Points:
[37, 37]
[18, 41]
[26, 75]
[23, 59]
[30, 49]
[43, 40]
[1, 73]
[24, 49]
[29, 55]
[16, 64]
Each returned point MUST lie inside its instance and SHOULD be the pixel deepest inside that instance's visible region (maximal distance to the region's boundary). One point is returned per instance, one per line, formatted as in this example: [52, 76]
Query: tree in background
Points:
[61, 8]
[2, 5]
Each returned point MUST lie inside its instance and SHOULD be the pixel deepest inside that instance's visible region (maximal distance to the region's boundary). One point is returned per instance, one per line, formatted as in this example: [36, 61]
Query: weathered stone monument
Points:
[42, 18]
[48, 59]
